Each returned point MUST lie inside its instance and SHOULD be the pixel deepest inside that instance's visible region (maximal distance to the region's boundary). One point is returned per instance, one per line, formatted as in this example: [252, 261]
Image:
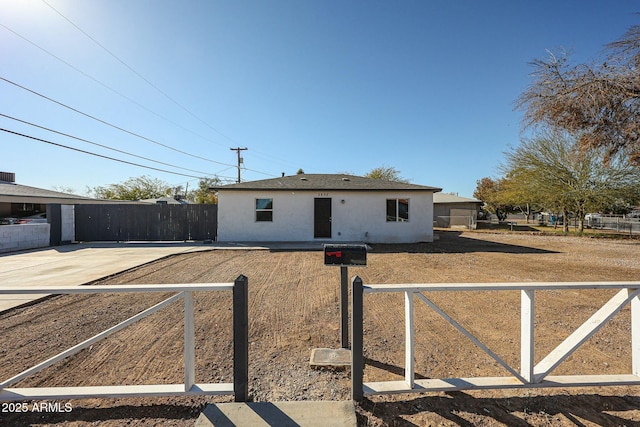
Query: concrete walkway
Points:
[77, 264]
[281, 414]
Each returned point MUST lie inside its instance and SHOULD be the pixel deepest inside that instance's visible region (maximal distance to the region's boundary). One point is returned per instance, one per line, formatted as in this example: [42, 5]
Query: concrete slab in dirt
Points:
[74, 265]
[330, 358]
[77, 264]
[281, 414]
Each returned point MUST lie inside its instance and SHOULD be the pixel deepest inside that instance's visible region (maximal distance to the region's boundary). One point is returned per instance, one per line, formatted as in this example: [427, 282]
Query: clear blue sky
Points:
[427, 87]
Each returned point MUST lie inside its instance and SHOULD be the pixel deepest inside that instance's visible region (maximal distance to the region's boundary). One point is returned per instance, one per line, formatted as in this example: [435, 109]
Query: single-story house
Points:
[29, 212]
[32, 217]
[325, 207]
[450, 210]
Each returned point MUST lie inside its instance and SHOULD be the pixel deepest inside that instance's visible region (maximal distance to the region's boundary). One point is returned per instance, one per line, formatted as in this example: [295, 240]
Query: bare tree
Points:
[386, 173]
[600, 101]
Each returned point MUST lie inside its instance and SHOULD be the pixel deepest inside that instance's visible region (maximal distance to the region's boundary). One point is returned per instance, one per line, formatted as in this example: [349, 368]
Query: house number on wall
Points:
[323, 194]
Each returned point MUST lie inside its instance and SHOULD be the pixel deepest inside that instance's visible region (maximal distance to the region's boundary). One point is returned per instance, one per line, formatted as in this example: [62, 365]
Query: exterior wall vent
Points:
[8, 177]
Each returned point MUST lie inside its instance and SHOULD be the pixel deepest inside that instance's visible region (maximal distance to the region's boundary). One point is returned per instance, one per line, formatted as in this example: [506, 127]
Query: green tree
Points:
[600, 101]
[516, 197]
[491, 192]
[142, 187]
[203, 194]
[557, 174]
[300, 171]
[386, 173]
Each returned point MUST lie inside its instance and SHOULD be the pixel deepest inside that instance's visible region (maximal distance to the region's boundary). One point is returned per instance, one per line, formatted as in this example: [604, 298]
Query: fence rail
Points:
[468, 222]
[530, 375]
[617, 224]
[185, 292]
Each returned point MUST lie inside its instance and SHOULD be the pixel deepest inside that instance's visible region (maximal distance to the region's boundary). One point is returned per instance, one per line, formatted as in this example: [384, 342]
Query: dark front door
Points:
[322, 218]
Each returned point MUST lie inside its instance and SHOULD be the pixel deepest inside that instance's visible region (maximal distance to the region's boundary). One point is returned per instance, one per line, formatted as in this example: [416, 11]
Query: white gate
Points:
[188, 388]
[530, 374]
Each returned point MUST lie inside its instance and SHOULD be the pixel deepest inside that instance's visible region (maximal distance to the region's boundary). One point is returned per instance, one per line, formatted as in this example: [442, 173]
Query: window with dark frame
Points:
[397, 210]
[264, 210]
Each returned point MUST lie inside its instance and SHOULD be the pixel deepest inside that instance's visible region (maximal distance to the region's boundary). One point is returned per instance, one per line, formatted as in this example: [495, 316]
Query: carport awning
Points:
[18, 193]
[61, 200]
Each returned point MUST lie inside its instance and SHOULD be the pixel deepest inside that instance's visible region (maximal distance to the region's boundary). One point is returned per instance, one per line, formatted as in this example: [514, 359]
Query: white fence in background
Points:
[456, 221]
[617, 224]
[530, 375]
[189, 387]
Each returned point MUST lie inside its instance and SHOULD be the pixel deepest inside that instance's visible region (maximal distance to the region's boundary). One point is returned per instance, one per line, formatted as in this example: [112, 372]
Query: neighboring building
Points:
[18, 200]
[450, 210]
[168, 200]
[325, 207]
[27, 214]
[32, 217]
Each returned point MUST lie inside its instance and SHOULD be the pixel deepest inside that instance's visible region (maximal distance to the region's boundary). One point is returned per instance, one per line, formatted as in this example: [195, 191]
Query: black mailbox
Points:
[345, 255]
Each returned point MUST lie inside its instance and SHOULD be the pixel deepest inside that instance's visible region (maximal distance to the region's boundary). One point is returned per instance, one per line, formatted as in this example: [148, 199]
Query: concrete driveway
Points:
[78, 264]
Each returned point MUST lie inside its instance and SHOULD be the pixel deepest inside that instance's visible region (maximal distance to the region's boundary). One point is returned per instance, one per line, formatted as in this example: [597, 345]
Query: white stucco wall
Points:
[361, 217]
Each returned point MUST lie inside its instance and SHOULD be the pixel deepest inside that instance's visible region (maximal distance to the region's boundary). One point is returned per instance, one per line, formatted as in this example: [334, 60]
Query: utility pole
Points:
[238, 150]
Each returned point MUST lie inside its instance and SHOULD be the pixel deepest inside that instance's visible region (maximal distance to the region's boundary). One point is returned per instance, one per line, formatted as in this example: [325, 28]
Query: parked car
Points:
[592, 219]
[40, 218]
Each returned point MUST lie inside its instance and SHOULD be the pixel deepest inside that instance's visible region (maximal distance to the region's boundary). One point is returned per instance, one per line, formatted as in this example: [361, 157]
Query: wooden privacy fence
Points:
[238, 388]
[530, 374]
[129, 222]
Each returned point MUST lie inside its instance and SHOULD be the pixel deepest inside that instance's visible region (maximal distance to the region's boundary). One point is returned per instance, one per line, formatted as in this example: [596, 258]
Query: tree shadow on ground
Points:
[594, 408]
[122, 413]
[591, 407]
[453, 242]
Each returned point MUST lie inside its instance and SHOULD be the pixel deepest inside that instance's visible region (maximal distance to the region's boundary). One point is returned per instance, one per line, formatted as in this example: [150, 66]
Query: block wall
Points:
[23, 236]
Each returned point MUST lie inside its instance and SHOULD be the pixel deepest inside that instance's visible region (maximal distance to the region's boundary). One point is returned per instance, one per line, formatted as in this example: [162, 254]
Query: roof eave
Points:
[430, 190]
[60, 200]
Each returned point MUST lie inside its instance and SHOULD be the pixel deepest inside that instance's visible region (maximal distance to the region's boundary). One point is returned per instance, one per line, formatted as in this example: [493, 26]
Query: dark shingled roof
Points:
[22, 192]
[17, 193]
[315, 182]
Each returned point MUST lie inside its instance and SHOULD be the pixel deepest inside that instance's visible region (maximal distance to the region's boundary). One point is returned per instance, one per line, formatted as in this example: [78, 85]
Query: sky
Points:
[426, 87]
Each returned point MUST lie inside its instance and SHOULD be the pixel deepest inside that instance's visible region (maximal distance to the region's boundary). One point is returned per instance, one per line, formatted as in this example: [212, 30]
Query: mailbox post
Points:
[345, 256]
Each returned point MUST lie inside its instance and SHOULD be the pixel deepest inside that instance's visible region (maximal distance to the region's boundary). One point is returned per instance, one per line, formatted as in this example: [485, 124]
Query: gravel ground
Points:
[294, 307]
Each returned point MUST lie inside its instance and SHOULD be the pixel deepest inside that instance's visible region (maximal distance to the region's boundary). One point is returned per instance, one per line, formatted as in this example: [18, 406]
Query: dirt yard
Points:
[294, 308]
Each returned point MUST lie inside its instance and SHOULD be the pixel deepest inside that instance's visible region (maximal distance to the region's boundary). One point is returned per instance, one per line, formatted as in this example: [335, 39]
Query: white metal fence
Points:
[189, 387]
[617, 224]
[530, 375]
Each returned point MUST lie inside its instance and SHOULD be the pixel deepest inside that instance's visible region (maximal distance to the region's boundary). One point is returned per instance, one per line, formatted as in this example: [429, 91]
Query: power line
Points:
[95, 154]
[106, 86]
[123, 96]
[101, 145]
[112, 125]
[113, 55]
[238, 150]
